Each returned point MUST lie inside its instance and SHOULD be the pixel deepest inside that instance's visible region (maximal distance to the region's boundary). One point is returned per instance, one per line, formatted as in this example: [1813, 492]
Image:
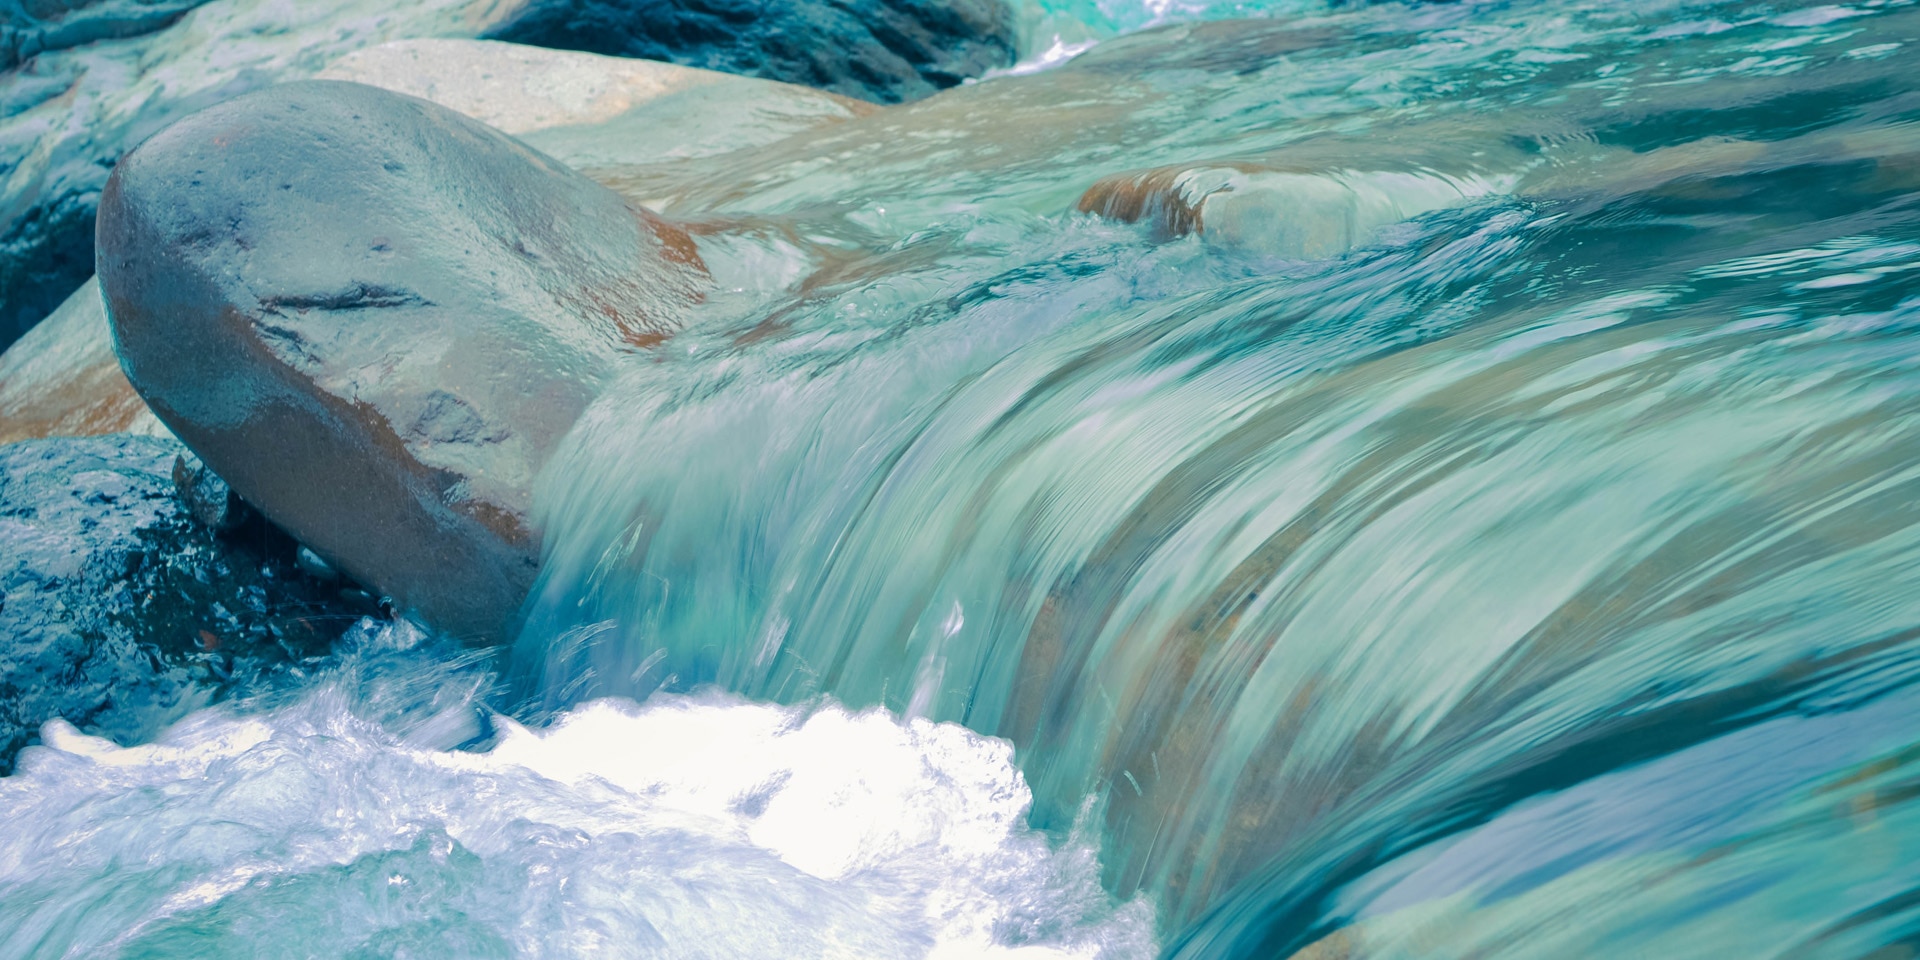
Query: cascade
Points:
[1251, 480]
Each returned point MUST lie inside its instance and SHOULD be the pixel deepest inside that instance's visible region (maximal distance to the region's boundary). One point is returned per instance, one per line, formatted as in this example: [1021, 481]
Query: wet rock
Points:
[45, 253]
[208, 499]
[104, 75]
[35, 26]
[118, 611]
[63, 380]
[374, 317]
[887, 51]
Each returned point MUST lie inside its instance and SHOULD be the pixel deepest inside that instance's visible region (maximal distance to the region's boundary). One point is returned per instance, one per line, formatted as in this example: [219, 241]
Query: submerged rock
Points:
[374, 317]
[882, 50]
[120, 612]
[1300, 212]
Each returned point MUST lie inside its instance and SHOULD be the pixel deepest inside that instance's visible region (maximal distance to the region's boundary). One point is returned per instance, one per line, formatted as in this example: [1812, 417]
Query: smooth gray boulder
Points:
[119, 612]
[596, 114]
[374, 317]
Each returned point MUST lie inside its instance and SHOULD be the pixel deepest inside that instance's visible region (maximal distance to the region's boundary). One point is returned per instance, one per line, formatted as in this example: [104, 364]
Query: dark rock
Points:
[882, 50]
[45, 254]
[46, 249]
[375, 317]
[119, 612]
[29, 27]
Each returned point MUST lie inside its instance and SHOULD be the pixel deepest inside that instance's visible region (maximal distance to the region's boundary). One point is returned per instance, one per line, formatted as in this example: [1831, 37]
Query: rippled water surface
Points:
[1470, 511]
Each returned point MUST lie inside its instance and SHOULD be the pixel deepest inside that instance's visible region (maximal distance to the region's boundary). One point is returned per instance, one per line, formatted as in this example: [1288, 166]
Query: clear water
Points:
[1528, 569]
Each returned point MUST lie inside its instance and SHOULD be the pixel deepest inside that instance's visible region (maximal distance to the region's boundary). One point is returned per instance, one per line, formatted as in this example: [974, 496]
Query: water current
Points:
[1472, 510]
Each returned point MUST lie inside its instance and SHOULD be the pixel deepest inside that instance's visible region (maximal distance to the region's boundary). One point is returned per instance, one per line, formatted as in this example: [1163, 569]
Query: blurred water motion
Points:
[1400, 480]
[1470, 511]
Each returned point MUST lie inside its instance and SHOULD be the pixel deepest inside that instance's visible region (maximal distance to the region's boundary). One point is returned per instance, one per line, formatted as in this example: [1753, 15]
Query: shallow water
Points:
[1492, 534]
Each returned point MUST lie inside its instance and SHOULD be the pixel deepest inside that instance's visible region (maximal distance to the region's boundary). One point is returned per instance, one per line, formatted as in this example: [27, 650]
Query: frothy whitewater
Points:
[336, 823]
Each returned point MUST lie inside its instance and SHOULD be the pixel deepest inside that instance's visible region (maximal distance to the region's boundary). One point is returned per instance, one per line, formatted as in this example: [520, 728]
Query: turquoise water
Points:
[1352, 570]
[1472, 513]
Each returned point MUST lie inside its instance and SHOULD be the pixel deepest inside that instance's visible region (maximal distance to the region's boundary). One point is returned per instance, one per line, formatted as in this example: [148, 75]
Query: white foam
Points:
[684, 827]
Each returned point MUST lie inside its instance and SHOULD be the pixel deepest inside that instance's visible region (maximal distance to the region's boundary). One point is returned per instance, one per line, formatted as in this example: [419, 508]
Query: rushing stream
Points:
[1489, 528]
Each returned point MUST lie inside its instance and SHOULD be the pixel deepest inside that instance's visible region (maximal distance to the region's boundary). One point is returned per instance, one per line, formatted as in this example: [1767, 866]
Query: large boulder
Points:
[95, 77]
[598, 114]
[119, 612]
[374, 317]
[887, 51]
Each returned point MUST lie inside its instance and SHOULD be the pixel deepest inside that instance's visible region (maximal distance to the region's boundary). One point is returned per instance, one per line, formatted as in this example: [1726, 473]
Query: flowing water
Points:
[335, 823]
[1472, 512]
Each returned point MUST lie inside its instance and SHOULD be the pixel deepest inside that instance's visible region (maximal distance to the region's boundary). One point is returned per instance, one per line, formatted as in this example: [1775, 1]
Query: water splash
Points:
[335, 825]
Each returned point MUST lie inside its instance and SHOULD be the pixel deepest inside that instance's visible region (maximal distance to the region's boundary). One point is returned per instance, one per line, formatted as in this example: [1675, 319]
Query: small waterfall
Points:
[1316, 574]
[1256, 480]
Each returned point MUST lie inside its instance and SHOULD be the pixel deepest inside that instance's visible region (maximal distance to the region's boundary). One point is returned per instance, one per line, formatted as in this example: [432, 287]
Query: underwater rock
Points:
[374, 317]
[120, 613]
[1287, 213]
[69, 111]
[63, 380]
[882, 50]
